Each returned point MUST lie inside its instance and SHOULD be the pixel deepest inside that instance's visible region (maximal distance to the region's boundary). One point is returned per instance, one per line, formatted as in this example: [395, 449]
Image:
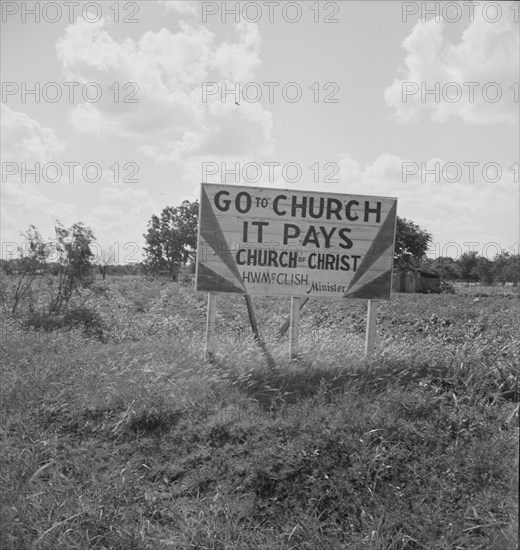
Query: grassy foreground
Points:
[125, 438]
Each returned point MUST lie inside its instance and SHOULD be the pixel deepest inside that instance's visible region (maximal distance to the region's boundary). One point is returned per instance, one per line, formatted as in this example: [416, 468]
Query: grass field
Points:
[119, 435]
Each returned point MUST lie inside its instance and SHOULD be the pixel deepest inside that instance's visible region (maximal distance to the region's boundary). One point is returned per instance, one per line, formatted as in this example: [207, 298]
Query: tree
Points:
[7, 266]
[445, 266]
[105, 260]
[468, 266]
[172, 238]
[74, 259]
[507, 268]
[411, 244]
[32, 261]
[485, 270]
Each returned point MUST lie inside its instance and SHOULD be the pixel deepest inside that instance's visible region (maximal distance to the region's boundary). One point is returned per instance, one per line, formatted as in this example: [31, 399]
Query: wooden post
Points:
[256, 332]
[252, 316]
[371, 327]
[294, 326]
[210, 325]
[287, 322]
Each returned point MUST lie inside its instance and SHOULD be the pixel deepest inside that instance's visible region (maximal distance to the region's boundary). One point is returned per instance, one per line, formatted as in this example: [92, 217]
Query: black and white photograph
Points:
[260, 275]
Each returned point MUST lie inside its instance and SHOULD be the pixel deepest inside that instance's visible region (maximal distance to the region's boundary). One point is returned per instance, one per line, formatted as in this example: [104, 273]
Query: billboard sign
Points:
[276, 242]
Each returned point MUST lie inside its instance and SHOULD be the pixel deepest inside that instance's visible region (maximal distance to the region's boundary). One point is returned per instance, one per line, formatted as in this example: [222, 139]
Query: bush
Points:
[73, 318]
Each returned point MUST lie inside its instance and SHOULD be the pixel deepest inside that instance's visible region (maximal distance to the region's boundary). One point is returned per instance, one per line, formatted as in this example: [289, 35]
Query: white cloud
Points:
[481, 211]
[168, 119]
[238, 61]
[26, 140]
[484, 63]
[118, 222]
[119, 217]
[86, 119]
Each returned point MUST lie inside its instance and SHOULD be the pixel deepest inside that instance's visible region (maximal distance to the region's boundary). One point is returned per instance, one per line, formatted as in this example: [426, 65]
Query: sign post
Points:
[370, 335]
[287, 322]
[294, 327]
[210, 326]
[256, 333]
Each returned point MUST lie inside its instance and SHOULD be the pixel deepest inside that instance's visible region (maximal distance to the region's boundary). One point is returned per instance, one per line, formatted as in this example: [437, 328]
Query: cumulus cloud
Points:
[119, 216]
[159, 80]
[473, 80]
[25, 142]
[434, 191]
[238, 61]
[25, 139]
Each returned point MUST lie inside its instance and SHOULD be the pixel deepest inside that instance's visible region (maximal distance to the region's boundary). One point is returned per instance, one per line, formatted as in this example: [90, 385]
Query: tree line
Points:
[171, 245]
[172, 241]
[472, 268]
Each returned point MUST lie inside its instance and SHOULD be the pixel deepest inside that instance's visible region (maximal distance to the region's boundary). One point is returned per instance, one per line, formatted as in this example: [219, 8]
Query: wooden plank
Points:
[370, 335]
[285, 325]
[256, 333]
[210, 325]
[252, 316]
[294, 326]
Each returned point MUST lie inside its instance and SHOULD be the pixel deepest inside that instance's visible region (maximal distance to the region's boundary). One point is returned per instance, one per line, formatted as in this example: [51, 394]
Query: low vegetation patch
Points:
[129, 439]
[79, 317]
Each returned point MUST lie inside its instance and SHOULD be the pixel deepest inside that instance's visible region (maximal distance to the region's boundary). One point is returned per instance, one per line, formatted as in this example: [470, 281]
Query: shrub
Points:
[73, 318]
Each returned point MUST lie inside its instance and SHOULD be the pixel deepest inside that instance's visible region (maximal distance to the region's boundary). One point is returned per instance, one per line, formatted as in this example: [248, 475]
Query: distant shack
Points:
[416, 280]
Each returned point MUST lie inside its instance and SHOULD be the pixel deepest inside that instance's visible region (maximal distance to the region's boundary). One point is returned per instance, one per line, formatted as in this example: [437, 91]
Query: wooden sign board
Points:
[276, 242]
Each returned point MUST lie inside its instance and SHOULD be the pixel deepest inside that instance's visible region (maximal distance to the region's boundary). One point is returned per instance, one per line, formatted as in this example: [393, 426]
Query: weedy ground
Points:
[117, 434]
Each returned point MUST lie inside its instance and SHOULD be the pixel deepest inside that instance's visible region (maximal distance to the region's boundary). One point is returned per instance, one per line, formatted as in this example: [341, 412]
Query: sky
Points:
[112, 111]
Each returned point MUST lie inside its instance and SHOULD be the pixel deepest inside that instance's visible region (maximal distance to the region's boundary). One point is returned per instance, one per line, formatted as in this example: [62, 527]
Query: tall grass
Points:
[137, 442]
